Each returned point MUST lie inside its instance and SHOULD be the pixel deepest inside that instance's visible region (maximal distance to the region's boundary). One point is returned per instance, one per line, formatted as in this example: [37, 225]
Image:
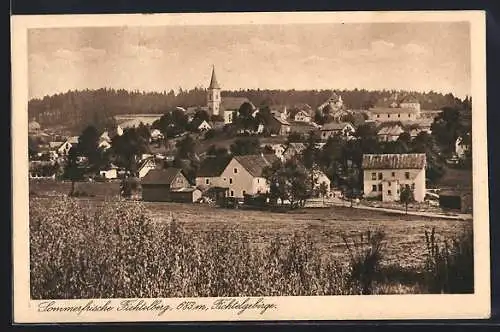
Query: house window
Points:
[380, 176]
[374, 187]
[374, 176]
[409, 115]
[225, 179]
[231, 193]
[380, 187]
[207, 181]
[389, 183]
[407, 175]
[413, 186]
[378, 115]
[399, 115]
[389, 193]
[393, 174]
[235, 170]
[258, 180]
[230, 180]
[388, 115]
[244, 192]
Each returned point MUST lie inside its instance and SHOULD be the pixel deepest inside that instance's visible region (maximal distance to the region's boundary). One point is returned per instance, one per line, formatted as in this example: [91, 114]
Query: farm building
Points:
[167, 185]
[456, 200]
[385, 174]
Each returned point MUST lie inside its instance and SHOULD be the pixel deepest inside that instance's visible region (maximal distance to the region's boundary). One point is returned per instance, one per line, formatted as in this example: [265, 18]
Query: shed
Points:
[456, 200]
[158, 184]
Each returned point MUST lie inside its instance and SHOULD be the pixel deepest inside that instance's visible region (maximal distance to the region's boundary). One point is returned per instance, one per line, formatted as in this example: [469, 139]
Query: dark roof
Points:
[394, 161]
[295, 111]
[213, 81]
[335, 125]
[161, 176]
[233, 103]
[212, 166]
[302, 127]
[255, 164]
[409, 99]
[392, 110]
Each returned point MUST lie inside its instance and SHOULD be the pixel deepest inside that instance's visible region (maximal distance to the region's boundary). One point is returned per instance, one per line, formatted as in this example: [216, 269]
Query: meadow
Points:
[93, 247]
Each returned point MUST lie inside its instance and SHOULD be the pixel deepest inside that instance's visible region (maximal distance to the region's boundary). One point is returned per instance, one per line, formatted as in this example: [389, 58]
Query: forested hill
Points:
[79, 108]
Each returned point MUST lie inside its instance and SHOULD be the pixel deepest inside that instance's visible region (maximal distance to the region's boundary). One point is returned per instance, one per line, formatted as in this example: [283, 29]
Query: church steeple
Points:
[213, 82]
[214, 99]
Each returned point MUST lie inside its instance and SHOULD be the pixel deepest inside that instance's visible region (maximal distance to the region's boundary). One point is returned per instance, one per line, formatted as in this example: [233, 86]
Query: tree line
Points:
[78, 108]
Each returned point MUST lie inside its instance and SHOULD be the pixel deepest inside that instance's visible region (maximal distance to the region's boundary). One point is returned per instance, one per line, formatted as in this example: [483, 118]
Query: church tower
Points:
[214, 99]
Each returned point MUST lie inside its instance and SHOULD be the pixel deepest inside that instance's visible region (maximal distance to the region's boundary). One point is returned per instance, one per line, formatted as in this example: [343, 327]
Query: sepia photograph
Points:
[251, 160]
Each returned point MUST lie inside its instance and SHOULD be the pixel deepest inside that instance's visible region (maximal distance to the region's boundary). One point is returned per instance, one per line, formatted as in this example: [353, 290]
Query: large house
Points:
[168, 185]
[395, 109]
[344, 129]
[63, 150]
[242, 175]
[384, 175]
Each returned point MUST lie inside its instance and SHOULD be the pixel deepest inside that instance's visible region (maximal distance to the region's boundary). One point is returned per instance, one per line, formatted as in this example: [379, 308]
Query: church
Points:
[224, 107]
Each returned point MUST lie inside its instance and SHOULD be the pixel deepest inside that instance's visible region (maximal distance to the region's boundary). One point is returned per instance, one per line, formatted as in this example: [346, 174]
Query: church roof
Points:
[213, 81]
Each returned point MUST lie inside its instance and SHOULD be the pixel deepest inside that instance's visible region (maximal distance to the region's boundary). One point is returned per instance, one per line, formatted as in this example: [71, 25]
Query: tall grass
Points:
[449, 264]
[117, 250]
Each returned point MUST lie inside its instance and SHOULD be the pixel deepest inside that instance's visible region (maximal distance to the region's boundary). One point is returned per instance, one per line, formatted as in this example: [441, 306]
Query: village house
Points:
[278, 149]
[304, 128]
[278, 126]
[64, 148]
[210, 171]
[280, 111]
[319, 178]
[390, 132]
[244, 175]
[293, 149]
[462, 145]
[109, 173]
[168, 185]
[200, 125]
[156, 135]
[34, 127]
[391, 114]
[335, 102]
[145, 166]
[300, 115]
[343, 129]
[384, 175]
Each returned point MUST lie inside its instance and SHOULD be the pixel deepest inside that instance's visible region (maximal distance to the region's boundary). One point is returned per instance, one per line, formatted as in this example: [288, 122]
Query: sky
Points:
[410, 56]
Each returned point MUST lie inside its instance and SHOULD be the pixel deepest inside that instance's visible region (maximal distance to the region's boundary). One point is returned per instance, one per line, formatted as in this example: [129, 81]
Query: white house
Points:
[278, 149]
[66, 146]
[156, 135]
[110, 173]
[302, 116]
[210, 171]
[384, 175]
[391, 114]
[462, 146]
[344, 129]
[202, 125]
[145, 166]
[242, 175]
[319, 177]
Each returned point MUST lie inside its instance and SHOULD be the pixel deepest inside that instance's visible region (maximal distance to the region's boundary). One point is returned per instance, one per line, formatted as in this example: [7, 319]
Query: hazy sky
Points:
[415, 56]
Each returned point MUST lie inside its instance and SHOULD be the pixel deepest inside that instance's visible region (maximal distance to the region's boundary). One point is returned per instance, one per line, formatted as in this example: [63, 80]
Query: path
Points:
[339, 202]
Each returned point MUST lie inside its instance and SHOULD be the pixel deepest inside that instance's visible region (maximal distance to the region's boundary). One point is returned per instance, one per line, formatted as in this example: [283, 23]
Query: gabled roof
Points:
[72, 140]
[297, 146]
[213, 166]
[336, 125]
[55, 145]
[161, 176]
[394, 161]
[409, 99]
[393, 130]
[295, 111]
[233, 103]
[196, 123]
[213, 81]
[281, 121]
[145, 162]
[255, 164]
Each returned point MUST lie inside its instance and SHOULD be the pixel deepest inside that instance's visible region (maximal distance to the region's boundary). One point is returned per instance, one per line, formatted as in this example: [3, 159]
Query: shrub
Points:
[449, 264]
[365, 256]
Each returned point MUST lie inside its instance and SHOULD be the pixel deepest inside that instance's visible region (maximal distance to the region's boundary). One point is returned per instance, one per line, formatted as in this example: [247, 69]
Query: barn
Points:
[167, 185]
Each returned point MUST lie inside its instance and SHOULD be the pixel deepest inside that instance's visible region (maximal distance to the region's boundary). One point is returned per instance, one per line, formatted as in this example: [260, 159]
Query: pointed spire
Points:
[213, 82]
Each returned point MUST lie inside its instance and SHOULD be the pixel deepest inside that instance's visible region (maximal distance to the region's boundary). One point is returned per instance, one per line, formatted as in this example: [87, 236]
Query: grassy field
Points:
[405, 243]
